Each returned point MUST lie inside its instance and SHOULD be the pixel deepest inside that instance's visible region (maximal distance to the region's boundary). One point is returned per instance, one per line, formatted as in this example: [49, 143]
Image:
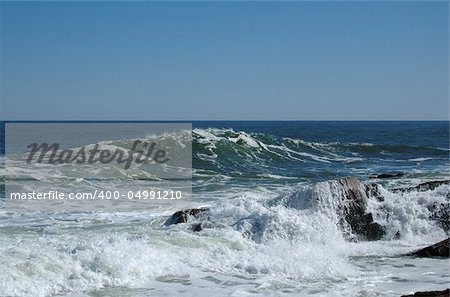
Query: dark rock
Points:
[440, 212]
[349, 202]
[444, 293]
[373, 191]
[387, 175]
[355, 196]
[197, 227]
[440, 249]
[431, 185]
[183, 215]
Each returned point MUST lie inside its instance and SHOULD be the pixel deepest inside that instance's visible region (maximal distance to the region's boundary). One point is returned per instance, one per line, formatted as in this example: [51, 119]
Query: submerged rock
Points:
[197, 227]
[253, 226]
[440, 212]
[444, 293]
[440, 249]
[182, 216]
[373, 191]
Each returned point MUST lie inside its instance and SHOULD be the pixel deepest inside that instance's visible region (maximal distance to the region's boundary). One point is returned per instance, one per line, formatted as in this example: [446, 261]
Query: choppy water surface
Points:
[295, 249]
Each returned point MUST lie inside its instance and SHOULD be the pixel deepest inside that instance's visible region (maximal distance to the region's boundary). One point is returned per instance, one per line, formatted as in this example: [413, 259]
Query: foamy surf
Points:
[290, 247]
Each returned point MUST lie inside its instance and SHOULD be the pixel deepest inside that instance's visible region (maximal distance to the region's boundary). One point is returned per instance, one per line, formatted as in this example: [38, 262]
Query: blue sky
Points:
[224, 60]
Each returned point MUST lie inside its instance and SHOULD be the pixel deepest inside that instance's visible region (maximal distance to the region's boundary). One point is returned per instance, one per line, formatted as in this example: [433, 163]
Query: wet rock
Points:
[387, 175]
[373, 191]
[347, 198]
[444, 293]
[182, 216]
[440, 212]
[440, 249]
[350, 198]
[355, 196]
[427, 186]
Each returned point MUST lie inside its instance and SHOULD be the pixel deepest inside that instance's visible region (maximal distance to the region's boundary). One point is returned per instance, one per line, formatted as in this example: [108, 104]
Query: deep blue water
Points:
[312, 151]
[412, 133]
[420, 133]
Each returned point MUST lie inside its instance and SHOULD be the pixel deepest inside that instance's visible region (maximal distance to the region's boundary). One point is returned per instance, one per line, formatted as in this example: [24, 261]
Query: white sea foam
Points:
[258, 246]
[420, 159]
[409, 213]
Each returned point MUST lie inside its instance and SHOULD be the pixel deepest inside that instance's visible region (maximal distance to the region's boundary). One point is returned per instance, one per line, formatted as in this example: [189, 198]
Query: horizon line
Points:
[229, 120]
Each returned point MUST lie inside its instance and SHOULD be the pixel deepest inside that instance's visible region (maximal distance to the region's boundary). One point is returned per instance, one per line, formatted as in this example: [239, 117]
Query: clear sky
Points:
[224, 60]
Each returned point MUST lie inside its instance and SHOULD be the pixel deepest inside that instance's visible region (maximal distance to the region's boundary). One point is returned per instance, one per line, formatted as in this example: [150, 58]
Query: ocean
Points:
[274, 226]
